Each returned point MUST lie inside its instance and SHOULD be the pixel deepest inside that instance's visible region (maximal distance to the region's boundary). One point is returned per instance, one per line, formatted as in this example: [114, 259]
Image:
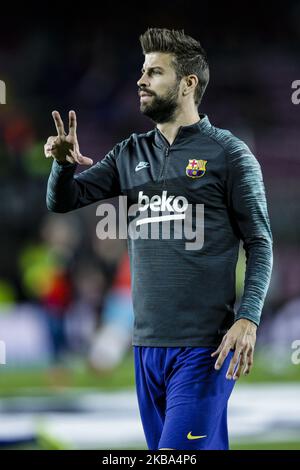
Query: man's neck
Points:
[170, 129]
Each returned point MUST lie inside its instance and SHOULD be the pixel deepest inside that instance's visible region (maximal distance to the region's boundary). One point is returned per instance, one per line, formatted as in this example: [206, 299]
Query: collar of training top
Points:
[183, 131]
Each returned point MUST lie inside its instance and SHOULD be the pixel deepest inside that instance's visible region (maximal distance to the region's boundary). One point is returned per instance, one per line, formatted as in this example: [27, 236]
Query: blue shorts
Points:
[182, 398]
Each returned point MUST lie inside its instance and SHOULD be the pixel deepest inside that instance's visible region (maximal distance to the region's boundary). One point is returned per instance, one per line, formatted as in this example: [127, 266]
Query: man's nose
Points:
[143, 81]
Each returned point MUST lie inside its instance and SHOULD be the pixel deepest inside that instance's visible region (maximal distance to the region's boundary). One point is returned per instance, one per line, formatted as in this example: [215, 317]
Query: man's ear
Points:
[190, 82]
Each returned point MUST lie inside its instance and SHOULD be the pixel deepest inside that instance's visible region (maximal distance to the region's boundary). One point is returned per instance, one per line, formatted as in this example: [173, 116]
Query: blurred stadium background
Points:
[65, 306]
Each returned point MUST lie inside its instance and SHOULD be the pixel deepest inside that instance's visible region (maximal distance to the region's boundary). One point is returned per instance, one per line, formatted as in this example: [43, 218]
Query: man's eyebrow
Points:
[151, 68]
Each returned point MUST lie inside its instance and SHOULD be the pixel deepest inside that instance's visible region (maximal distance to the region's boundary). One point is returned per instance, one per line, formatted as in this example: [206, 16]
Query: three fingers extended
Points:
[64, 147]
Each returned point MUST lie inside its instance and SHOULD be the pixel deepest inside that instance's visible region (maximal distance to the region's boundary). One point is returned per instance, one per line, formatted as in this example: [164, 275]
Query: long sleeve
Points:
[66, 192]
[248, 209]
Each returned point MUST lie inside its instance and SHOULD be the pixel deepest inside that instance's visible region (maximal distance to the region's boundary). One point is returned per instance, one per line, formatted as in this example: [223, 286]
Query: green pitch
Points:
[39, 382]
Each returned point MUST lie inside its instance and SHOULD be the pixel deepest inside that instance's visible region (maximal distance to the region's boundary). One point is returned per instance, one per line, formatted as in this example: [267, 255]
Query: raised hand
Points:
[64, 147]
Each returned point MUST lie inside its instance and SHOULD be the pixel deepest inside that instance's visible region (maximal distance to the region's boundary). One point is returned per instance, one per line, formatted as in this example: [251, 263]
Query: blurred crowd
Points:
[62, 290]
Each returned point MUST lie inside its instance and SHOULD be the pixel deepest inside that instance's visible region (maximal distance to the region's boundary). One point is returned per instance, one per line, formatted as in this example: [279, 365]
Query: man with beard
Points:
[190, 345]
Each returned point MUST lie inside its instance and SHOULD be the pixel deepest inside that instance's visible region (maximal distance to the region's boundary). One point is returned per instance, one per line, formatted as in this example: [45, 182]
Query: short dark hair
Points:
[189, 56]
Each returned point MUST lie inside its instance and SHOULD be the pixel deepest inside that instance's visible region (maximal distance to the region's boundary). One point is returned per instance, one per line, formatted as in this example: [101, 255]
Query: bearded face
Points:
[159, 88]
[160, 107]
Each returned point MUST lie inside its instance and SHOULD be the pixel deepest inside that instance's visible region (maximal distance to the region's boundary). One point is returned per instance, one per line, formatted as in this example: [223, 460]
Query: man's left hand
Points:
[241, 338]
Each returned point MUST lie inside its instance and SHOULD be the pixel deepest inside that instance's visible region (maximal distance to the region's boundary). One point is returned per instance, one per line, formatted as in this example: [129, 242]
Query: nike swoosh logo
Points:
[190, 437]
[142, 165]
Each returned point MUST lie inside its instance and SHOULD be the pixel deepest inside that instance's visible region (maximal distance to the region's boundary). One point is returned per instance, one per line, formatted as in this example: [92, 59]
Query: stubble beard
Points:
[162, 109]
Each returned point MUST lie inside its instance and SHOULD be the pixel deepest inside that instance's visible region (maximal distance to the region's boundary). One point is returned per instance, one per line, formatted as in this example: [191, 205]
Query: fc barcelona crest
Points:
[196, 168]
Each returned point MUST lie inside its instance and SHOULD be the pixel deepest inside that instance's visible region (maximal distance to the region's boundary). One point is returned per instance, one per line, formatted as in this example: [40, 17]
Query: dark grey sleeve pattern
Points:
[66, 192]
[248, 207]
